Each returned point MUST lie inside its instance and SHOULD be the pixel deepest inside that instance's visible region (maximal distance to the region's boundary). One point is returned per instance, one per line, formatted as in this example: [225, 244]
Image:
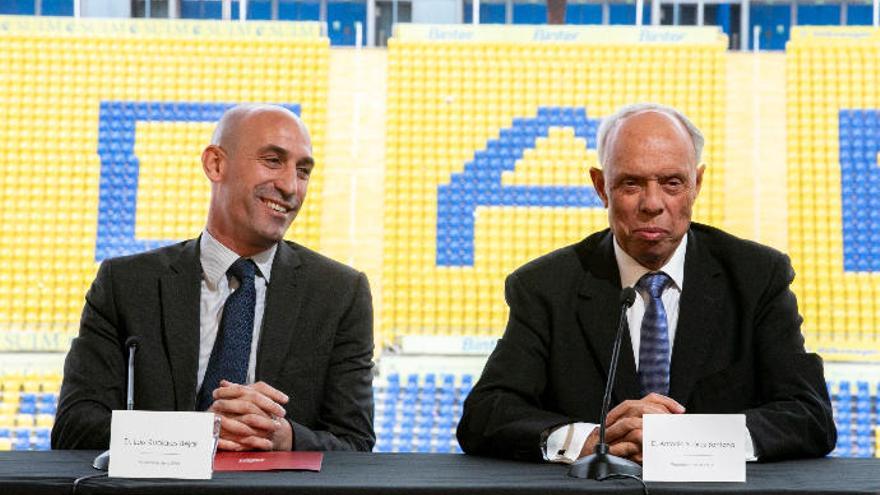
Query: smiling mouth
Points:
[275, 206]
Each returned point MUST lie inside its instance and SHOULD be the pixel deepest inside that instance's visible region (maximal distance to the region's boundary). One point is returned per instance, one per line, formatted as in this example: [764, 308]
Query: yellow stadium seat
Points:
[877, 442]
[24, 420]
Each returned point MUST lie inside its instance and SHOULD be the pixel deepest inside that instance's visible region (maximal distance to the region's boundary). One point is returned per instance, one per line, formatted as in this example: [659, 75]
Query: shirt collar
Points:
[631, 271]
[217, 258]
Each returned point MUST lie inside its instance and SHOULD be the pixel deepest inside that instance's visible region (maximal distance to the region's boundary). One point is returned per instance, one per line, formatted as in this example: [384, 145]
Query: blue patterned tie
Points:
[232, 347]
[654, 343]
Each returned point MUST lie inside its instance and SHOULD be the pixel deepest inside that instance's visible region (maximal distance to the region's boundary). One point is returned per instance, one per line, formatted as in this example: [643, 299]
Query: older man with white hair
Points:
[715, 327]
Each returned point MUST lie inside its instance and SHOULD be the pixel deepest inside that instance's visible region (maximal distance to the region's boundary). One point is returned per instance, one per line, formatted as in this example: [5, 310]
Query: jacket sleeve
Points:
[94, 373]
[503, 416]
[794, 418]
[346, 409]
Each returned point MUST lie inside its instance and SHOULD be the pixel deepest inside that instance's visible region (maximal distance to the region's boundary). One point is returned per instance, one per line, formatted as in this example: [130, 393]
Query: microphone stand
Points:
[102, 462]
[601, 465]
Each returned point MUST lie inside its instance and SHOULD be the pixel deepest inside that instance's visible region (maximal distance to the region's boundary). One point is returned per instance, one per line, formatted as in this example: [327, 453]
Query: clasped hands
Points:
[623, 428]
[251, 417]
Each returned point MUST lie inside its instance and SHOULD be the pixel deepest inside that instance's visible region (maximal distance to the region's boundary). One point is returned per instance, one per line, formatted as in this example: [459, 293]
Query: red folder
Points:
[268, 461]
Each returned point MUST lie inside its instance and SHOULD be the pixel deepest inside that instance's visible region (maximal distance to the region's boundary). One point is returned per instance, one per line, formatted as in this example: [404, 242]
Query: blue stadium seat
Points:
[447, 422]
[427, 394]
[388, 423]
[42, 444]
[447, 385]
[843, 390]
[446, 410]
[392, 390]
[412, 383]
[444, 438]
[46, 408]
[446, 398]
[864, 446]
[403, 439]
[424, 422]
[843, 417]
[467, 383]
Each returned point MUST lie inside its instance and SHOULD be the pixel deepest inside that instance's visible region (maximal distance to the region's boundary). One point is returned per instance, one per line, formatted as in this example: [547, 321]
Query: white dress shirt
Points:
[216, 287]
[564, 444]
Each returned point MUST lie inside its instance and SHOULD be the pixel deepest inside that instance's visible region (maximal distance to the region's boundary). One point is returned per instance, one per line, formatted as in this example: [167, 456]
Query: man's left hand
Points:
[625, 421]
[251, 417]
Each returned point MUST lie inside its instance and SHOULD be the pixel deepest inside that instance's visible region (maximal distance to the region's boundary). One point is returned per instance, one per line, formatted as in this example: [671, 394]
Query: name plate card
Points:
[694, 447]
[159, 444]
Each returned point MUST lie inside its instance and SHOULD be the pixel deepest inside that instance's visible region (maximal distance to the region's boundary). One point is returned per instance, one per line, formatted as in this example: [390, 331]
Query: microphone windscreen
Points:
[627, 297]
[132, 341]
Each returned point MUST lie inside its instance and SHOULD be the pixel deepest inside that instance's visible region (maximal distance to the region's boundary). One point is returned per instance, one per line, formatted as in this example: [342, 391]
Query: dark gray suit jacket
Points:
[738, 349]
[316, 346]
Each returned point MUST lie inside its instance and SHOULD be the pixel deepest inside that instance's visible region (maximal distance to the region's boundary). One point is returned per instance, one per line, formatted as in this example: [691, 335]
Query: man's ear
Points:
[214, 162]
[598, 178]
[700, 170]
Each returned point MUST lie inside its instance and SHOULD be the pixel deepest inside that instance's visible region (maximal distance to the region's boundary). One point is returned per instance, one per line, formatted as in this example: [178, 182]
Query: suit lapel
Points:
[599, 311]
[283, 300]
[698, 307]
[180, 318]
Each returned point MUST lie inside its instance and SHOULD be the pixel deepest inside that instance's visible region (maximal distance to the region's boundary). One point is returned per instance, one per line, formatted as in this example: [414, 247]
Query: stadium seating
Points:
[85, 174]
[857, 414]
[488, 147]
[27, 410]
[420, 414]
[833, 177]
[488, 143]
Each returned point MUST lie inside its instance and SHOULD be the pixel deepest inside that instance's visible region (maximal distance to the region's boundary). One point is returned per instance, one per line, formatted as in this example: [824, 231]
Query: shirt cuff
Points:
[750, 447]
[564, 444]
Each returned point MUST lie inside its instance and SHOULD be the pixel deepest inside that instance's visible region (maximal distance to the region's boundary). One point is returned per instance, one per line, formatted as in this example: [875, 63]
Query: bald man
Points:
[715, 328]
[272, 337]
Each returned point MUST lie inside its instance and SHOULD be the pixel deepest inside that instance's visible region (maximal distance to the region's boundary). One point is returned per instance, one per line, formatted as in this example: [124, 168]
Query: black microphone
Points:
[102, 462]
[601, 464]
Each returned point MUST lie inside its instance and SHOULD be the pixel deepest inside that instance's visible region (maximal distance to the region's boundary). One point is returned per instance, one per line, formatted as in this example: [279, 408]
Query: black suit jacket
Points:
[316, 346]
[738, 349]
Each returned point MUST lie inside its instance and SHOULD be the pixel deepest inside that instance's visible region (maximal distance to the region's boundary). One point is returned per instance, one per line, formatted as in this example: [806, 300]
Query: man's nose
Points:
[652, 198]
[287, 183]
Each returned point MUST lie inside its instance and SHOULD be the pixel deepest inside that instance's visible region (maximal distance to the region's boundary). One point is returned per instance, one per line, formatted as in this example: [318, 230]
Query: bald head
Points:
[646, 120]
[233, 124]
[259, 163]
[646, 133]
